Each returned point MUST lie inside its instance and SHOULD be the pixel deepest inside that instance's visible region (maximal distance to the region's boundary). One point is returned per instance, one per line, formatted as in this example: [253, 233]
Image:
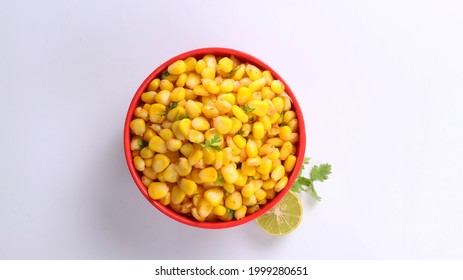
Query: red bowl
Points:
[136, 175]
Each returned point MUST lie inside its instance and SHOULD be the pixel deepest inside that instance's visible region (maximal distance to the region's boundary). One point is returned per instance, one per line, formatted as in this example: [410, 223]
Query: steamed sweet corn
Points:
[214, 138]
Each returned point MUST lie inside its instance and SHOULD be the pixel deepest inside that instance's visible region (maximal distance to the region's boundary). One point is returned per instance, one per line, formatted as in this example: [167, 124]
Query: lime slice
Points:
[284, 217]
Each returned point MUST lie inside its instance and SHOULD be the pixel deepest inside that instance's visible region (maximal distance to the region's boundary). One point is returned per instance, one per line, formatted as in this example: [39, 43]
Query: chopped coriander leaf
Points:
[172, 105]
[210, 143]
[142, 144]
[164, 75]
[230, 212]
[247, 109]
[220, 181]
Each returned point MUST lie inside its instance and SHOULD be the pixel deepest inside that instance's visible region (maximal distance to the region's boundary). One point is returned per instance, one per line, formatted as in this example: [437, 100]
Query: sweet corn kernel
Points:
[177, 94]
[157, 144]
[278, 103]
[222, 124]
[265, 166]
[289, 163]
[208, 73]
[243, 95]
[204, 208]
[149, 97]
[160, 162]
[177, 195]
[229, 173]
[208, 175]
[268, 77]
[157, 113]
[170, 174]
[253, 72]
[146, 152]
[189, 187]
[278, 172]
[149, 172]
[239, 72]
[190, 64]
[195, 136]
[200, 66]
[250, 201]
[181, 81]
[257, 85]
[285, 150]
[139, 163]
[260, 108]
[210, 85]
[267, 93]
[260, 194]
[157, 190]
[177, 68]
[210, 60]
[195, 156]
[293, 138]
[277, 86]
[228, 187]
[192, 80]
[227, 86]
[166, 134]
[146, 181]
[194, 212]
[239, 114]
[219, 210]
[277, 142]
[239, 141]
[223, 106]
[173, 145]
[214, 196]
[242, 179]
[255, 162]
[200, 90]
[258, 130]
[138, 126]
[226, 64]
[240, 212]
[210, 112]
[251, 148]
[208, 155]
[285, 133]
[234, 201]
[166, 85]
[154, 85]
[218, 159]
[281, 184]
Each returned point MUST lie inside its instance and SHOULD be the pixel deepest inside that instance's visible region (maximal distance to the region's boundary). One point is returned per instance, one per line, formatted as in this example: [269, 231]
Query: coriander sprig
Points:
[172, 106]
[210, 143]
[317, 173]
[247, 109]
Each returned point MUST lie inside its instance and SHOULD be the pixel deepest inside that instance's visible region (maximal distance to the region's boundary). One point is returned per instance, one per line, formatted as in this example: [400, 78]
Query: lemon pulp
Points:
[284, 217]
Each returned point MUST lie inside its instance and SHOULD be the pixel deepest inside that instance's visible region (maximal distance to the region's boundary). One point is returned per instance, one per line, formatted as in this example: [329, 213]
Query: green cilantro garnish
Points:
[172, 105]
[220, 181]
[317, 173]
[210, 143]
[164, 75]
[230, 212]
[247, 109]
[142, 144]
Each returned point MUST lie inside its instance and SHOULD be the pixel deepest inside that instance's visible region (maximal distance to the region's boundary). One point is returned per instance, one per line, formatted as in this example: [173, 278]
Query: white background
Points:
[381, 83]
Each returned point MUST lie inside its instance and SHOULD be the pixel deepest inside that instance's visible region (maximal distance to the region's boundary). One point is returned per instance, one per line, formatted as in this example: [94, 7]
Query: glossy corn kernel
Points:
[227, 86]
[157, 190]
[166, 134]
[257, 85]
[195, 136]
[250, 201]
[177, 94]
[192, 80]
[181, 81]
[189, 187]
[260, 194]
[186, 149]
[138, 126]
[289, 163]
[200, 123]
[210, 85]
[267, 93]
[265, 166]
[146, 153]
[276, 142]
[239, 141]
[141, 113]
[239, 114]
[218, 163]
[177, 195]
[170, 174]
[157, 113]
[210, 112]
[242, 180]
[190, 64]
[278, 172]
[146, 181]
[258, 130]
[139, 163]
[149, 97]
[204, 208]
[157, 144]
[222, 124]
[251, 148]
[154, 85]
[149, 173]
[293, 138]
[253, 72]
[234, 201]
[208, 155]
[208, 73]
[183, 167]
[239, 72]
[259, 108]
[173, 145]
[214, 196]
[229, 173]
[195, 214]
[208, 175]
[240, 212]
[200, 66]
[219, 210]
[226, 65]
[166, 85]
[195, 156]
[285, 133]
[265, 120]
[178, 134]
[243, 95]
[277, 86]
[281, 184]
[254, 162]
[160, 162]
[192, 109]
[177, 68]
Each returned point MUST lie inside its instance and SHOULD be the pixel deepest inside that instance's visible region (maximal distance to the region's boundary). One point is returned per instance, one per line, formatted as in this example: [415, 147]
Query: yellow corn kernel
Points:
[166, 134]
[293, 138]
[139, 163]
[239, 114]
[253, 72]
[210, 112]
[226, 85]
[277, 86]
[192, 80]
[208, 73]
[195, 156]
[229, 97]
[250, 188]
[208, 155]
[278, 103]
[154, 84]
[285, 150]
[171, 78]
[249, 201]
[208, 100]
[258, 130]
[138, 126]
[181, 80]
[136, 143]
[256, 96]
[289, 163]
[195, 214]
[281, 184]
[242, 180]
[228, 187]
[186, 206]
[260, 194]
[200, 66]
[163, 97]
[149, 173]
[210, 85]
[142, 113]
[227, 155]
[204, 208]
[178, 134]
[214, 196]
[225, 64]
[190, 64]
[278, 172]
[257, 85]
[177, 195]
[285, 132]
[145, 180]
[243, 95]
[208, 175]
[192, 109]
[229, 173]
[274, 156]
[146, 153]
[177, 94]
[166, 85]
[236, 125]
[218, 159]
[183, 167]
[149, 133]
[160, 162]
[294, 124]
[211, 60]
[200, 90]
[252, 209]
[176, 68]
[239, 141]
[288, 104]
[234, 201]
[157, 113]
[173, 145]
[170, 174]
[239, 72]
[223, 106]
[265, 120]
[265, 166]
[267, 93]
[189, 187]
[274, 119]
[251, 148]
[185, 126]
[260, 108]
[240, 212]
[255, 162]
[149, 97]
[277, 142]
[157, 144]
[187, 149]
[219, 210]
[269, 184]
[157, 190]
[200, 123]
[288, 116]
[270, 193]
[195, 136]
[222, 124]
[268, 77]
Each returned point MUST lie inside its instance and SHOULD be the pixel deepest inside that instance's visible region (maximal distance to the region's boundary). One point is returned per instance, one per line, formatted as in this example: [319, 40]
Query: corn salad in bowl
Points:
[214, 138]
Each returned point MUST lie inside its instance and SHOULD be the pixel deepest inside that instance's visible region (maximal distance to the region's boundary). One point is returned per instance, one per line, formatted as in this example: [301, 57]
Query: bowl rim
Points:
[199, 53]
